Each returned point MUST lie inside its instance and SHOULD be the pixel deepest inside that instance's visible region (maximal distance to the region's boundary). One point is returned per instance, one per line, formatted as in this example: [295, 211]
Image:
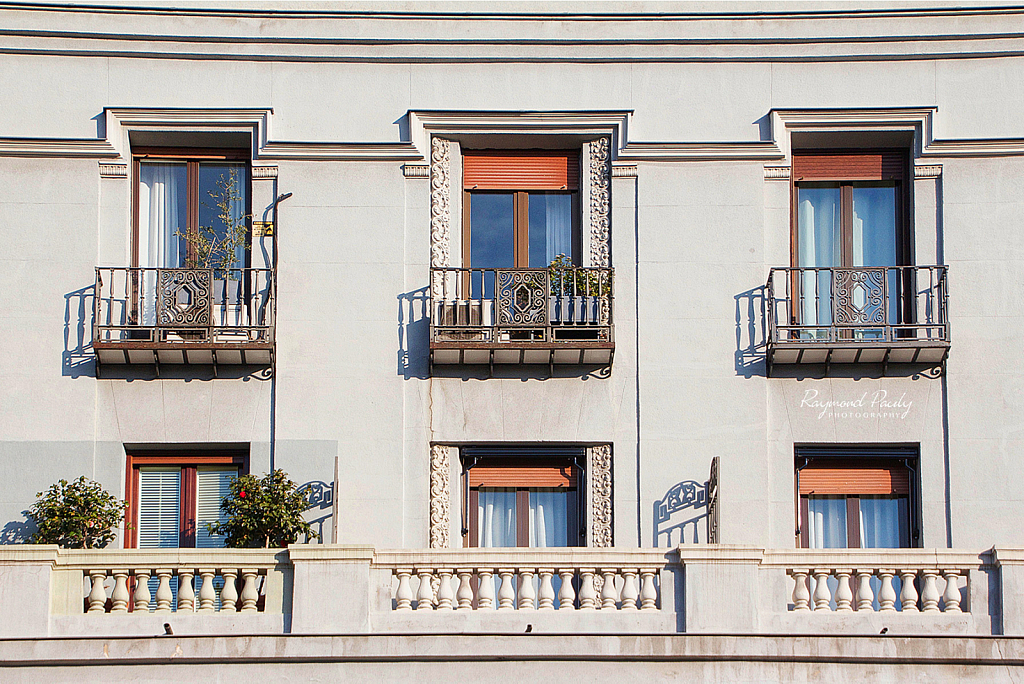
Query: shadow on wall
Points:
[319, 497]
[751, 333]
[78, 359]
[414, 334]
[17, 531]
[678, 515]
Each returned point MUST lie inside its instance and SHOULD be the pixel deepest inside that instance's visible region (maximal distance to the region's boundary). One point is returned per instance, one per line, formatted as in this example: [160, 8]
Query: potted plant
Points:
[76, 515]
[578, 295]
[263, 513]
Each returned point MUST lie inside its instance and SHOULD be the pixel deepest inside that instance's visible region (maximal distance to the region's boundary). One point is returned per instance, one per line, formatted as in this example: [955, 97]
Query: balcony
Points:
[184, 316]
[857, 315]
[521, 316]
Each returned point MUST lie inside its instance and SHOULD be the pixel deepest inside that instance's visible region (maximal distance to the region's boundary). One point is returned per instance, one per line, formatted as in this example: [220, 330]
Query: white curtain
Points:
[558, 219]
[496, 517]
[162, 213]
[549, 509]
[818, 216]
[826, 524]
[879, 522]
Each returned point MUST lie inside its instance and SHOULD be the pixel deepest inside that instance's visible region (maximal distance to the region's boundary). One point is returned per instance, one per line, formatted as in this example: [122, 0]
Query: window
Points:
[856, 498]
[523, 497]
[172, 498]
[521, 210]
[850, 212]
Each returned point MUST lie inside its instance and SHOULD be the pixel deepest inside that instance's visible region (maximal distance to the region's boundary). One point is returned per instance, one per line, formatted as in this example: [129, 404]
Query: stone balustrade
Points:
[144, 581]
[525, 579]
[880, 580]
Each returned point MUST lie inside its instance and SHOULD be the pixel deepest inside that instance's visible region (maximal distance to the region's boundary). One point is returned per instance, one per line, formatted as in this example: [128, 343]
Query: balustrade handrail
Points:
[118, 559]
[562, 557]
[911, 559]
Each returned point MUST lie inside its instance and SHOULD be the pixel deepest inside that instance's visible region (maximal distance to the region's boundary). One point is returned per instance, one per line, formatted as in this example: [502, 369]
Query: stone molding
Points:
[440, 496]
[599, 475]
[776, 173]
[440, 201]
[624, 170]
[600, 202]
[113, 170]
[416, 171]
[928, 171]
[264, 172]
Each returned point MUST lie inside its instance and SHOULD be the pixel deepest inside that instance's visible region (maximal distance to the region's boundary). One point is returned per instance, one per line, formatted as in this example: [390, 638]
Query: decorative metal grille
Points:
[859, 296]
[712, 495]
[184, 297]
[523, 297]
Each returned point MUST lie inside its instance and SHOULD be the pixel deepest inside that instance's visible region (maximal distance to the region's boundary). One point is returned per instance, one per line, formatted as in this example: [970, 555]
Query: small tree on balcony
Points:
[76, 515]
[210, 247]
[263, 513]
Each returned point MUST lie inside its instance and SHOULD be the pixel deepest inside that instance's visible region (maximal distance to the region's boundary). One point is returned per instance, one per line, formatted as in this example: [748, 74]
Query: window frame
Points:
[188, 462]
[846, 181]
[192, 157]
[524, 458]
[859, 458]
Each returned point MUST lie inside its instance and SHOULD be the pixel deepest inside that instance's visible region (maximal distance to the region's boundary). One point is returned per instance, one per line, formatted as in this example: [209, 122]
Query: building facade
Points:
[662, 319]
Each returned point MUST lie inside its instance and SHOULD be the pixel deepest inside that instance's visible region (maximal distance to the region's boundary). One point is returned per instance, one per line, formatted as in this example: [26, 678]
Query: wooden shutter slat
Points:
[834, 166]
[872, 480]
[543, 476]
[520, 170]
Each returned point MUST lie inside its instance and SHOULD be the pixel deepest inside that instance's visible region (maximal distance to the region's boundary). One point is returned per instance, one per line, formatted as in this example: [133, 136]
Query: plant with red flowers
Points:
[76, 515]
[262, 513]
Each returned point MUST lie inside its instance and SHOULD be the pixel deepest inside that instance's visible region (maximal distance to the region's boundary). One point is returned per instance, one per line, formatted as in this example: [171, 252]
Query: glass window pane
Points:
[880, 522]
[550, 228]
[496, 517]
[223, 232]
[549, 511]
[163, 212]
[492, 231]
[826, 525]
[818, 225]
[874, 226]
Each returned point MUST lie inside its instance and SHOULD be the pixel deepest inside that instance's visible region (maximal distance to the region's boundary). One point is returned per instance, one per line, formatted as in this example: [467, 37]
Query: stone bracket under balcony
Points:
[521, 316]
[184, 316]
[883, 315]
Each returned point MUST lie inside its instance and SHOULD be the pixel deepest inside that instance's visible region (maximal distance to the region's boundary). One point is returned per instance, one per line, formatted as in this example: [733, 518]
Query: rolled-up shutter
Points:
[212, 485]
[827, 479]
[520, 170]
[848, 166]
[541, 476]
[159, 521]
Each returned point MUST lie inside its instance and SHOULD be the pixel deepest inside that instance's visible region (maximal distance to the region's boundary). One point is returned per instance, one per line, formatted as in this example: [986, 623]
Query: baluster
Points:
[609, 595]
[120, 597]
[506, 594]
[844, 595]
[822, 594]
[930, 591]
[250, 594]
[186, 593]
[801, 595]
[142, 595]
[546, 595]
[485, 591]
[425, 592]
[97, 593]
[444, 589]
[164, 596]
[566, 593]
[526, 592]
[908, 596]
[207, 594]
[465, 593]
[951, 596]
[648, 590]
[629, 591]
[865, 597]
[229, 594]
[886, 594]
[588, 597]
[404, 595]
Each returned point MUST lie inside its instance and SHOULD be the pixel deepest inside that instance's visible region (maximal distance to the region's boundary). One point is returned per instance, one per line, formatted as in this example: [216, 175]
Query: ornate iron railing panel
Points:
[858, 306]
[712, 498]
[529, 305]
[137, 307]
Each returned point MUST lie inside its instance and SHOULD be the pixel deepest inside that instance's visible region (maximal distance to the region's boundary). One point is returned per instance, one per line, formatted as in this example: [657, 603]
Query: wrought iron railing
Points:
[184, 306]
[869, 305]
[521, 304]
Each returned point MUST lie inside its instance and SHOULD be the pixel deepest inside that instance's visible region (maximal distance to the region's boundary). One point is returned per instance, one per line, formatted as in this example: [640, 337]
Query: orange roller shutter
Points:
[835, 166]
[871, 480]
[544, 476]
[520, 170]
